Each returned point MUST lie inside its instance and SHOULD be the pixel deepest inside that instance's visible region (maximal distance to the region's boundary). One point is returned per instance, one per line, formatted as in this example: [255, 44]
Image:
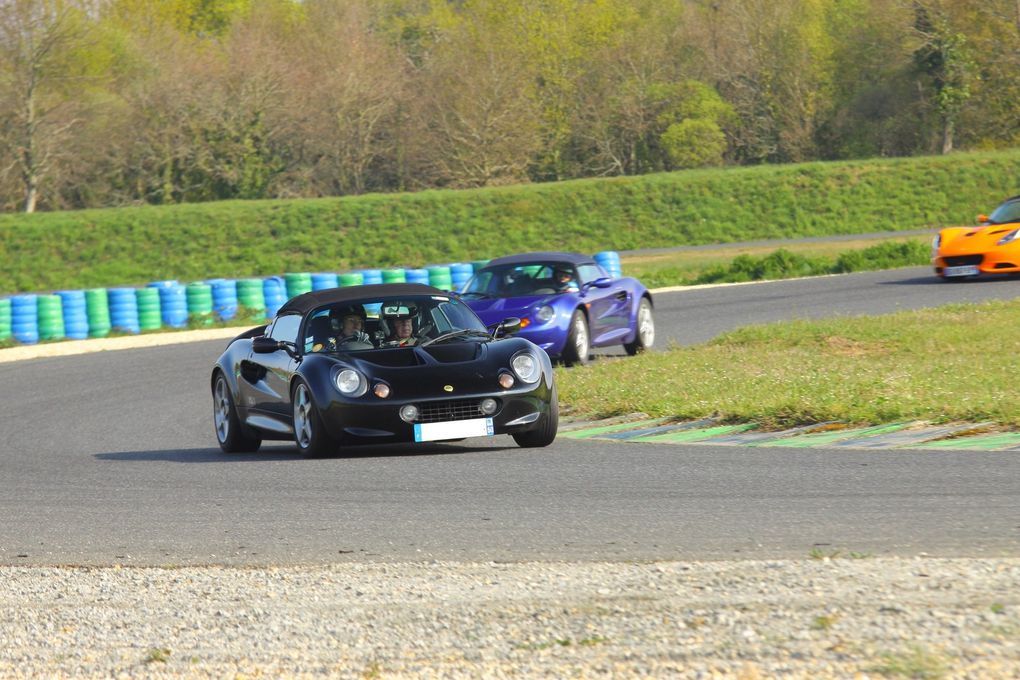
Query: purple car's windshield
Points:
[520, 280]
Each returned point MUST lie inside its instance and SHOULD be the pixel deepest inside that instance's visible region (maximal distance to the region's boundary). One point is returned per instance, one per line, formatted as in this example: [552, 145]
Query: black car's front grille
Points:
[960, 260]
[442, 411]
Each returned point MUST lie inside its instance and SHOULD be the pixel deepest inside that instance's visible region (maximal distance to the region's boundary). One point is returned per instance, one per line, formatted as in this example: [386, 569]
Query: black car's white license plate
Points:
[454, 429]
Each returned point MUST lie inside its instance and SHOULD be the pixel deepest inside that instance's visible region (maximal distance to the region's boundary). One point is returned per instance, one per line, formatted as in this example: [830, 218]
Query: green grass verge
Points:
[952, 363]
[784, 263]
[132, 246]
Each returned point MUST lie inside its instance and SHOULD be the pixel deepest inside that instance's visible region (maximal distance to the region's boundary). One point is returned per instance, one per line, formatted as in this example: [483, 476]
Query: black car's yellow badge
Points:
[448, 388]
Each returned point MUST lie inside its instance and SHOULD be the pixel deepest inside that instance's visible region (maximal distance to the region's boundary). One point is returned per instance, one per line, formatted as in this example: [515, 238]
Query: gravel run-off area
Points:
[824, 617]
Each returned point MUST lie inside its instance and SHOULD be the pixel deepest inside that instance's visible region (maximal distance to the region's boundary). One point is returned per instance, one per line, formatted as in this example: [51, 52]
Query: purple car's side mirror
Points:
[603, 282]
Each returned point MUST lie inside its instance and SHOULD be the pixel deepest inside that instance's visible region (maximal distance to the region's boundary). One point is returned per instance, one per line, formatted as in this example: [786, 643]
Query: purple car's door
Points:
[608, 308]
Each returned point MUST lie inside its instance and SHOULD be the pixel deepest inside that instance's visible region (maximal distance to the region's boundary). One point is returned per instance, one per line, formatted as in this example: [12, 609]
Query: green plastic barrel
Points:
[200, 302]
[5, 319]
[51, 317]
[440, 277]
[394, 276]
[250, 295]
[352, 279]
[478, 264]
[97, 309]
[150, 315]
[298, 283]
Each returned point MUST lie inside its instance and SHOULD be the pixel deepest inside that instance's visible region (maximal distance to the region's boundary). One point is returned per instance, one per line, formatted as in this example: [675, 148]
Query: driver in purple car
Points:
[564, 280]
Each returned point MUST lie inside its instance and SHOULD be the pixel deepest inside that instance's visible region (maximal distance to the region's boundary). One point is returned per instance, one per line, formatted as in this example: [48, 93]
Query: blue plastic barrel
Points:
[417, 276]
[76, 320]
[173, 303]
[610, 261]
[324, 280]
[224, 298]
[274, 288]
[370, 276]
[460, 274]
[124, 310]
[25, 319]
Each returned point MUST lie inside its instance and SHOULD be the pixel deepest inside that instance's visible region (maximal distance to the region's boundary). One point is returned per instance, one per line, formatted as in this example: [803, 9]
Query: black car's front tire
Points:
[229, 433]
[545, 433]
[310, 433]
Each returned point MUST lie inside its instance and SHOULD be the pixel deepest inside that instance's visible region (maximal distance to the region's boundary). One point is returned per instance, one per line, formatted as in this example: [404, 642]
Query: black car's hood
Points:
[426, 373]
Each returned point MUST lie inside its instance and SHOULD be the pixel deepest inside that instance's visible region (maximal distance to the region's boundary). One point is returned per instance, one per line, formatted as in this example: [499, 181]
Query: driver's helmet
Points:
[338, 314]
[562, 274]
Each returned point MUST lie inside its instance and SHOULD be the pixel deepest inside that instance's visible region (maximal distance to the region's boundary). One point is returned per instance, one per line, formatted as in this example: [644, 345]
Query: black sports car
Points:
[378, 364]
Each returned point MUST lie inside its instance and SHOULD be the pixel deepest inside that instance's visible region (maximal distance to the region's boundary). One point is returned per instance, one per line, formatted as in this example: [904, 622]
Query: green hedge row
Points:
[125, 246]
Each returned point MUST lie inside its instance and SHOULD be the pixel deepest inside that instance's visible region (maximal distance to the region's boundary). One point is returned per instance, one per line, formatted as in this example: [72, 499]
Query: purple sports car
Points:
[567, 303]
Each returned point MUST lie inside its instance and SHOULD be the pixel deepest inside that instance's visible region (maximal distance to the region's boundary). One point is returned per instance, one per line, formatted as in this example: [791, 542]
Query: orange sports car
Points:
[992, 247]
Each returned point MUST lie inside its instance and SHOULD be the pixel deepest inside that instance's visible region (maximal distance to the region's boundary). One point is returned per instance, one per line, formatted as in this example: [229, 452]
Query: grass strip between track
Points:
[954, 363]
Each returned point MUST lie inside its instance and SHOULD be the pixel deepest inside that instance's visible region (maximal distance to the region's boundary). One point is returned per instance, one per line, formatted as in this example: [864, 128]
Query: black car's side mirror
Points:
[266, 345]
[507, 326]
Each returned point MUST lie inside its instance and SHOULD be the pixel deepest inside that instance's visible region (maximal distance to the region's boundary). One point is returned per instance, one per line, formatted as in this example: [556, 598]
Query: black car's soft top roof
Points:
[548, 256]
[306, 302]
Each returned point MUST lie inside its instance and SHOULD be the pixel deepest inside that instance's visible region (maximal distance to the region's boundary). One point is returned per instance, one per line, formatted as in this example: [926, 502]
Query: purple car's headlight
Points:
[545, 313]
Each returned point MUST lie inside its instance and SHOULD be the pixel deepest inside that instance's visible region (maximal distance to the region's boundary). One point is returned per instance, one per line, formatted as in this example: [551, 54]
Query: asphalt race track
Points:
[111, 458]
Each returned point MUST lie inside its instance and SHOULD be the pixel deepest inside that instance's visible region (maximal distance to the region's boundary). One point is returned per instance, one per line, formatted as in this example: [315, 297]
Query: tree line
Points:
[128, 102]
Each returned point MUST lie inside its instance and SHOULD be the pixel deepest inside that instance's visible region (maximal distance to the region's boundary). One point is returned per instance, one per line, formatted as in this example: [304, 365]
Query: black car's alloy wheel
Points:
[309, 433]
[645, 336]
[231, 437]
[578, 346]
[545, 433]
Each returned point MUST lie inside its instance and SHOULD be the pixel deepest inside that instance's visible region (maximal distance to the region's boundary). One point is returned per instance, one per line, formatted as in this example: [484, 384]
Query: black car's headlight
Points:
[545, 313]
[351, 383]
[1009, 238]
[526, 366]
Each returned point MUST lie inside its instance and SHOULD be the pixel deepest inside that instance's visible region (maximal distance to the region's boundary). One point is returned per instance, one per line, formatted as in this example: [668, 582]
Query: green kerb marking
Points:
[822, 438]
[986, 443]
[694, 435]
[606, 429]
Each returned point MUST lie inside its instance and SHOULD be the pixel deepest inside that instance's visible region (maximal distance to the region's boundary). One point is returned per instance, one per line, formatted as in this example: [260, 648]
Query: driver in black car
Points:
[346, 328]
[350, 322]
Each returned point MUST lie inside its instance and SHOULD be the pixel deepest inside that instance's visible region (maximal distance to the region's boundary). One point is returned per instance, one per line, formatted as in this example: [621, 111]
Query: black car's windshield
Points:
[1007, 212]
[388, 323]
[518, 280]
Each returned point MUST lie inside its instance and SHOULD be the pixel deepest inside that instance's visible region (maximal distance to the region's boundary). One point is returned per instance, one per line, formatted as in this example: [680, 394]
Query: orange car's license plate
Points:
[963, 270]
